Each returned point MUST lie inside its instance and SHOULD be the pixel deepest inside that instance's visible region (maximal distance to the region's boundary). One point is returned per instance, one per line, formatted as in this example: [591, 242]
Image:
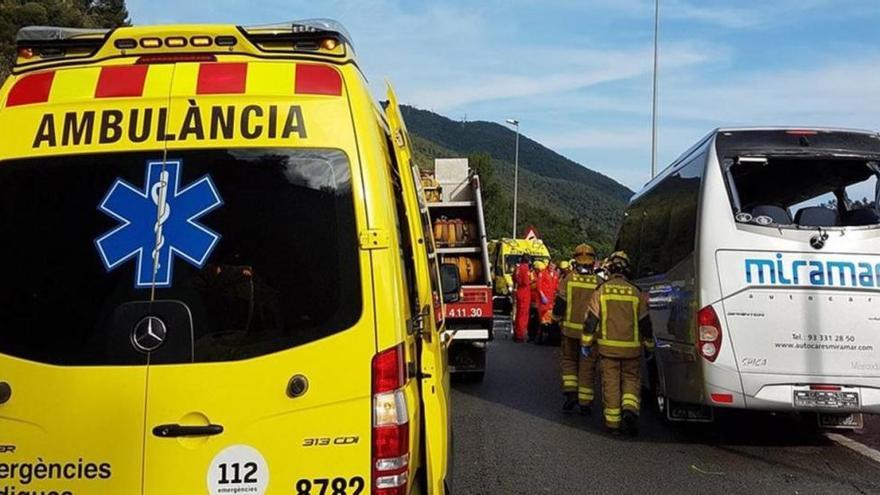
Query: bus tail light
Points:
[390, 458]
[825, 388]
[709, 343]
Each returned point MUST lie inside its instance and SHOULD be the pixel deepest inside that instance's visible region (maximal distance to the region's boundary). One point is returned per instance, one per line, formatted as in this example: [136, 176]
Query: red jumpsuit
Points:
[547, 284]
[522, 281]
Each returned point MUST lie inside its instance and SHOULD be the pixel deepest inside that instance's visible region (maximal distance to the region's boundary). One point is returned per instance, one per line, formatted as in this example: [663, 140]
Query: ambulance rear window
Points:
[254, 251]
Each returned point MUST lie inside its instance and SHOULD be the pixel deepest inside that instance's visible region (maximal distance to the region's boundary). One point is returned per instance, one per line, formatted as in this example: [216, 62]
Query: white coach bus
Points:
[760, 250]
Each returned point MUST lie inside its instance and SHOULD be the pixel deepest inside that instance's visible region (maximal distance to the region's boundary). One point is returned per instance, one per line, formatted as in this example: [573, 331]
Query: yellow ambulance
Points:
[506, 254]
[217, 278]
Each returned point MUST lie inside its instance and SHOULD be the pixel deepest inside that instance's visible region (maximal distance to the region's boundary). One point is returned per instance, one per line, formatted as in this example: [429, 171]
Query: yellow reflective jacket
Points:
[618, 305]
[577, 290]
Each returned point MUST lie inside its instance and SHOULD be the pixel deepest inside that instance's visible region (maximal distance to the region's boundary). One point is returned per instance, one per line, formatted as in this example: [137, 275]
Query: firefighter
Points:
[619, 324]
[602, 270]
[522, 283]
[564, 269]
[572, 301]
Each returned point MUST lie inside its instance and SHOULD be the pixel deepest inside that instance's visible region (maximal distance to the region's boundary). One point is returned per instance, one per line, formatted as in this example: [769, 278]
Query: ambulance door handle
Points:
[172, 431]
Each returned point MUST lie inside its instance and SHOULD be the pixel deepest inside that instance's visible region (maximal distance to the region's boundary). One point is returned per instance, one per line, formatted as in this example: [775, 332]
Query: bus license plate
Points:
[825, 399]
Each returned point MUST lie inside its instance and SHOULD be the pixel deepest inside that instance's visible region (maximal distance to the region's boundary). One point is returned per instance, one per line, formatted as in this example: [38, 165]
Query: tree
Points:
[109, 13]
[566, 202]
[15, 14]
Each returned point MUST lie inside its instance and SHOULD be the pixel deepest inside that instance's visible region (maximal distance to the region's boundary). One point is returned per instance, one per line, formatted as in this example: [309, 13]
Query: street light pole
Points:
[654, 96]
[515, 123]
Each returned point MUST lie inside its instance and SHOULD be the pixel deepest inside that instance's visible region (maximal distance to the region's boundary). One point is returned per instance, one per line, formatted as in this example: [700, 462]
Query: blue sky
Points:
[577, 73]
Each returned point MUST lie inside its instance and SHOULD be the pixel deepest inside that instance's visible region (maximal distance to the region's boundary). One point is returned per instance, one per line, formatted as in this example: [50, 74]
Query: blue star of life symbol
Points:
[158, 224]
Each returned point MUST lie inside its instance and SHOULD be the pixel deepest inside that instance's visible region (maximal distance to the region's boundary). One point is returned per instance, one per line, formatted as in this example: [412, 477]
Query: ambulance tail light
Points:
[709, 343]
[390, 457]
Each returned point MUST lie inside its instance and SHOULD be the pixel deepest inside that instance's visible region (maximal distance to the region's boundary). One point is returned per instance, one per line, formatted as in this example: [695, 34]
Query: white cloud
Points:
[838, 93]
[546, 72]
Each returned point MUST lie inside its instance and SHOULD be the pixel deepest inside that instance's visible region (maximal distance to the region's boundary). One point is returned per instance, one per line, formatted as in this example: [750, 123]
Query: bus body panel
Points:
[671, 300]
[780, 337]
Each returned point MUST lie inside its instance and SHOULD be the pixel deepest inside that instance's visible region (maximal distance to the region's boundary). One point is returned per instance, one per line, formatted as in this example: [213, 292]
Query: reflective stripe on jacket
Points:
[578, 290]
[619, 306]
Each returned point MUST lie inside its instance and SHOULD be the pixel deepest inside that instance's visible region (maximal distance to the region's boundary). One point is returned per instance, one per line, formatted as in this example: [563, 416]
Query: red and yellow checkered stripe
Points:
[142, 81]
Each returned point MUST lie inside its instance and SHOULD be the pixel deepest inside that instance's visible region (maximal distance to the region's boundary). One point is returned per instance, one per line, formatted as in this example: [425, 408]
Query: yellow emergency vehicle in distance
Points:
[217, 273]
[507, 253]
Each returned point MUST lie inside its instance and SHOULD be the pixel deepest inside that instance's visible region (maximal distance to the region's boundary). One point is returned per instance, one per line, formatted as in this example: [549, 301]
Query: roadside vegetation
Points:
[566, 202]
[70, 13]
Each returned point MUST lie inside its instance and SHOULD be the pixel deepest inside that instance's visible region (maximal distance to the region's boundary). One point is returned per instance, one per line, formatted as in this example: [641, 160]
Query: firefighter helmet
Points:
[584, 254]
[618, 262]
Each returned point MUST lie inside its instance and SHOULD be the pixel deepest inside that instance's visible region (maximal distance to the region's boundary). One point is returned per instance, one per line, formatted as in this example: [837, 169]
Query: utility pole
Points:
[654, 96]
[515, 123]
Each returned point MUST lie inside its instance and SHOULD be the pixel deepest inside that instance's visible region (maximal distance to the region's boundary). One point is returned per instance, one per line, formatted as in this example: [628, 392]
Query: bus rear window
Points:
[282, 270]
[804, 191]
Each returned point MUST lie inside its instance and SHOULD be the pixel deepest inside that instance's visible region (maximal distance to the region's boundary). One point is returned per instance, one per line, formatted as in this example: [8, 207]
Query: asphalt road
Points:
[511, 438]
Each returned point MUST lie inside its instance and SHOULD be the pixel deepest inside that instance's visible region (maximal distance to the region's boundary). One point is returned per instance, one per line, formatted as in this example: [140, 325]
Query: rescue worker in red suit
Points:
[546, 284]
[545, 290]
[554, 270]
[522, 280]
[534, 320]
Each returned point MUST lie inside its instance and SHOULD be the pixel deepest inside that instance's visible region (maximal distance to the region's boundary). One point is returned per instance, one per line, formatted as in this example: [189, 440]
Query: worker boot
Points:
[571, 400]
[586, 410]
[629, 423]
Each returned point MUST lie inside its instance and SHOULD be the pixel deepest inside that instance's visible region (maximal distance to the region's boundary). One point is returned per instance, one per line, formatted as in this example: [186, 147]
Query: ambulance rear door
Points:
[434, 373]
[72, 375]
[265, 387]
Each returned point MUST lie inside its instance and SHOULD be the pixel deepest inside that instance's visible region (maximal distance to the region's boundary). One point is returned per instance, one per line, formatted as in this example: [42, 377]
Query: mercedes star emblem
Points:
[148, 334]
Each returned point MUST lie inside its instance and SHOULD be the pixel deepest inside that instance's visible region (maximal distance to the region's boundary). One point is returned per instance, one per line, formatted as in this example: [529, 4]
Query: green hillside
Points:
[565, 201]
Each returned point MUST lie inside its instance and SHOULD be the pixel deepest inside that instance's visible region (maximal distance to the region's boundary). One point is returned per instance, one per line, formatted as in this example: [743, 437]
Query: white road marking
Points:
[851, 444]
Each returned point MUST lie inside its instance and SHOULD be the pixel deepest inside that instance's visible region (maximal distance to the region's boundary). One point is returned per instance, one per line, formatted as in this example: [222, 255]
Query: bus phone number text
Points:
[823, 337]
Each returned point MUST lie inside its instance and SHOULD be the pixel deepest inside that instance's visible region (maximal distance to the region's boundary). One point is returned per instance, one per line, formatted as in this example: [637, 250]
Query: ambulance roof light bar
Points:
[310, 27]
[42, 34]
[50, 42]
